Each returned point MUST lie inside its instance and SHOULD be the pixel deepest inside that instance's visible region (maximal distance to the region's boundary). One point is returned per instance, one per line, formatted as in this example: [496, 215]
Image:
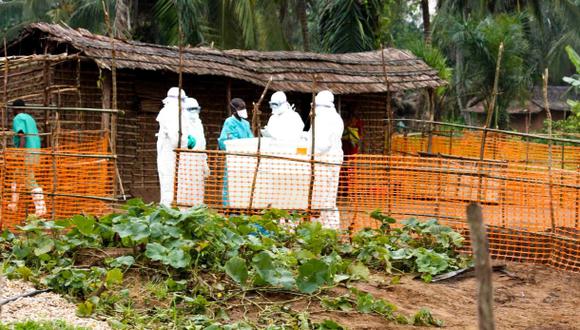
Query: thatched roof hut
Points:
[146, 71]
[291, 71]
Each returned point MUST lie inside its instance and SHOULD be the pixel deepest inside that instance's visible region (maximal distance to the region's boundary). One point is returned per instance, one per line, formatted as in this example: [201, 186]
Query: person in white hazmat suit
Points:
[167, 139]
[193, 167]
[284, 123]
[328, 148]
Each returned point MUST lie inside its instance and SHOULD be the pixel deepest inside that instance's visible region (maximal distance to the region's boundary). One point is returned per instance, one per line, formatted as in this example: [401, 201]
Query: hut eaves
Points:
[350, 73]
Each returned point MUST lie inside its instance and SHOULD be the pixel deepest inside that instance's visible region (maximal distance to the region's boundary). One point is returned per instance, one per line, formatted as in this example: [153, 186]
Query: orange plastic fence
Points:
[74, 177]
[515, 197]
[497, 147]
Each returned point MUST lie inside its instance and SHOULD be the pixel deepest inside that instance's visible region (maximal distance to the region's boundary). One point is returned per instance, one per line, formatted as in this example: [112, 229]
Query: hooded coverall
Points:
[328, 148]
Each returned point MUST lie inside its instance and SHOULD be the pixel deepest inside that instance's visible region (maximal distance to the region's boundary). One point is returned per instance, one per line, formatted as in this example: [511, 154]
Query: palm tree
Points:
[349, 25]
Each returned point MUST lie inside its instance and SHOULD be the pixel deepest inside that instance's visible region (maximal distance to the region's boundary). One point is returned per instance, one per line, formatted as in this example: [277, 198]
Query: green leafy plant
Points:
[198, 261]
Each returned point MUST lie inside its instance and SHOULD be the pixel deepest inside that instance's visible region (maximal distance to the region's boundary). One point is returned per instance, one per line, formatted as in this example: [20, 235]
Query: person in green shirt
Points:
[26, 137]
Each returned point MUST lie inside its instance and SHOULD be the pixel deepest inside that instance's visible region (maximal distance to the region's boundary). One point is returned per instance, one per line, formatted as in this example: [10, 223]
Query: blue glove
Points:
[190, 142]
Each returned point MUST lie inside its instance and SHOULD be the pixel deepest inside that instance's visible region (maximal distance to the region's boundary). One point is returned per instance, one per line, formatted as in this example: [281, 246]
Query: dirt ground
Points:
[534, 298]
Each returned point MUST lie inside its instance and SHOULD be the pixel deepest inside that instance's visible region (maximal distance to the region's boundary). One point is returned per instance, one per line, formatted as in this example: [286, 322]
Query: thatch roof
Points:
[557, 96]
[291, 71]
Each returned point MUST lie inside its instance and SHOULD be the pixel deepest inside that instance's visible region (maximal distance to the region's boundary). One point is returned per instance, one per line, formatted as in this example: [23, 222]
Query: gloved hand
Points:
[190, 142]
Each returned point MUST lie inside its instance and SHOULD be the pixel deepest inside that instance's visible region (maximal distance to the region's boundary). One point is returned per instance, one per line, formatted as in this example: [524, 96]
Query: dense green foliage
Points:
[204, 260]
[463, 35]
[32, 325]
[571, 125]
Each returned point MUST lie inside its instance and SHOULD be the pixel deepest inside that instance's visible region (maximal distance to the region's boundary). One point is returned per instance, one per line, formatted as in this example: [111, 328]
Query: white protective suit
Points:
[285, 123]
[328, 148]
[167, 139]
[193, 167]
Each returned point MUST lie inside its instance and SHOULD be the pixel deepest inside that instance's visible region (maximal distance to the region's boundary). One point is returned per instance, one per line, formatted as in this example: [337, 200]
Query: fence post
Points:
[480, 247]
[4, 124]
[549, 115]
[389, 126]
[313, 147]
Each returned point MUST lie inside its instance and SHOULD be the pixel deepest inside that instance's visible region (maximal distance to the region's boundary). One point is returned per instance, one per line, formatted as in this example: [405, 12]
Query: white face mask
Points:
[194, 114]
[277, 110]
[243, 113]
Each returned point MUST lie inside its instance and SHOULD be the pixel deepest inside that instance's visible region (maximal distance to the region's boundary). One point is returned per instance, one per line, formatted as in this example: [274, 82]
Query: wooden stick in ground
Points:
[313, 146]
[4, 125]
[488, 119]
[113, 116]
[388, 128]
[483, 271]
[256, 127]
[179, 112]
[5, 94]
[491, 107]
[549, 117]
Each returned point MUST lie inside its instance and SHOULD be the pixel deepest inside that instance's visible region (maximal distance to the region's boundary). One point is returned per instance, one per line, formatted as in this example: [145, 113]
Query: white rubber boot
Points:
[38, 199]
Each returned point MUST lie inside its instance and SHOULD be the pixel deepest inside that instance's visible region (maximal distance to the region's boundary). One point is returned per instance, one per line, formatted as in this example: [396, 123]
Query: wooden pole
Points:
[549, 115]
[492, 103]
[388, 128]
[54, 145]
[256, 128]
[112, 118]
[431, 96]
[4, 126]
[483, 271]
[179, 112]
[313, 146]
[488, 118]
[80, 114]
[5, 94]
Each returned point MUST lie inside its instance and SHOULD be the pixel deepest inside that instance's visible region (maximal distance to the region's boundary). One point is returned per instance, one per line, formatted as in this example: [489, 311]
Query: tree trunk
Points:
[122, 24]
[301, 9]
[426, 21]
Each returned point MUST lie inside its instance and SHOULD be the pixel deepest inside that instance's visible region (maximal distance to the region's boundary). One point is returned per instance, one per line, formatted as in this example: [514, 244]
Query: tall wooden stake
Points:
[549, 115]
[113, 116]
[492, 103]
[388, 128]
[480, 247]
[5, 94]
[4, 126]
[488, 120]
[179, 107]
[313, 146]
[256, 126]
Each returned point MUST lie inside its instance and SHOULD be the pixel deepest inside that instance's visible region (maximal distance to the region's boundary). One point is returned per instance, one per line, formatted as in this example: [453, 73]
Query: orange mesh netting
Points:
[497, 147]
[75, 177]
[514, 197]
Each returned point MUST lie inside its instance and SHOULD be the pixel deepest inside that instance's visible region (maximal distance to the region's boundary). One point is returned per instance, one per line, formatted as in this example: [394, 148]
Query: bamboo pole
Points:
[179, 112]
[111, 123]
[57, 108]
[80, 115]
[480, 247]
[46, 97]
[5, 94]
[387, 143]
[492, 103]
[54, 169]
[577, 217]
[256, 127]
[4, 125]
[431, 94]
[549, 115]
[313, 146]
